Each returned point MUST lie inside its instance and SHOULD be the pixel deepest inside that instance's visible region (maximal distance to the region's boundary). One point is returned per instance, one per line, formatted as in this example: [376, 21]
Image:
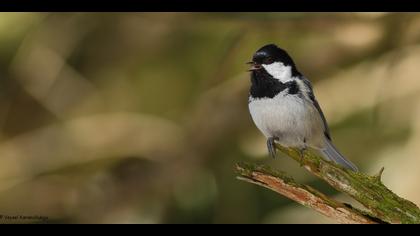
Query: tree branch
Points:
[303, 194]
[384, 206]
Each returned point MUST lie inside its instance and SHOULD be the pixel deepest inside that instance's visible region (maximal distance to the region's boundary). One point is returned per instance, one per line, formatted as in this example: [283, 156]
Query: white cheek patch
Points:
[279, 71]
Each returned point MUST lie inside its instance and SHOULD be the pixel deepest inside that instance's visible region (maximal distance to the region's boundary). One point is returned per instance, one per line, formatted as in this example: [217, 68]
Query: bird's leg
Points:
[272, 146]
[302, 152]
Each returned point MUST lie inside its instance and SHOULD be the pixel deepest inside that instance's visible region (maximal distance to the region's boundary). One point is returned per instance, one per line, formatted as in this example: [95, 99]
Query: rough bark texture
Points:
[384, 206]
[303, 194]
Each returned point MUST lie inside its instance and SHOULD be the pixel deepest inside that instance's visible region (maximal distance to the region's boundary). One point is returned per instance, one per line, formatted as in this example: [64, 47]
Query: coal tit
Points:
[283, 106]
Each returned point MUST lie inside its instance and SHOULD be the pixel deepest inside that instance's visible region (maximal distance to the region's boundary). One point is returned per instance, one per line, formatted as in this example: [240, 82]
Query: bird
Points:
[283, 106]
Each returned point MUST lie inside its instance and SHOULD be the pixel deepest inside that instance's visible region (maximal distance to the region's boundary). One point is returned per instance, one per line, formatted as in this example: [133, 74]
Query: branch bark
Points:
[384, 206]
[303, 194]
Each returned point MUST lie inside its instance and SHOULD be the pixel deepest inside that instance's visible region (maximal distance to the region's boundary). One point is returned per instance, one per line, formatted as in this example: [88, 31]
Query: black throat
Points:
[263, 85]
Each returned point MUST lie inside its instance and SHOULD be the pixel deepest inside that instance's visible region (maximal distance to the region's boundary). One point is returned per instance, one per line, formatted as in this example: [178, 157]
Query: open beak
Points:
[254, 66]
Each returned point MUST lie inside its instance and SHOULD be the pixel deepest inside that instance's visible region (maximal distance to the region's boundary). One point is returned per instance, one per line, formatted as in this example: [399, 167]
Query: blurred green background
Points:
[141, 117]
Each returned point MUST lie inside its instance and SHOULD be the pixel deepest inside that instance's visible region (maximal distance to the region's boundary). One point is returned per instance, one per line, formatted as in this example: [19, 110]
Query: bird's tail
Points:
[331, 153]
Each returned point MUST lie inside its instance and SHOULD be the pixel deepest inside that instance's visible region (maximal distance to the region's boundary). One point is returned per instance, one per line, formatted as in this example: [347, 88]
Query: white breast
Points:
[288, 117]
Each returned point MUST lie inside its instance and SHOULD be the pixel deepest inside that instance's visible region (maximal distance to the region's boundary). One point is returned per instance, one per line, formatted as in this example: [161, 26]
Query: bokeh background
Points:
[141, 117]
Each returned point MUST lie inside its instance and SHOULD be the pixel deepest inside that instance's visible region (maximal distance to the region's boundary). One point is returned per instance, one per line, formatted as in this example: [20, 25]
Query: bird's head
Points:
[274, 61]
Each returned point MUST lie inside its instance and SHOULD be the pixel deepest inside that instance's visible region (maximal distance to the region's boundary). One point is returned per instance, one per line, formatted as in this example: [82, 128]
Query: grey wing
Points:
[315, 102]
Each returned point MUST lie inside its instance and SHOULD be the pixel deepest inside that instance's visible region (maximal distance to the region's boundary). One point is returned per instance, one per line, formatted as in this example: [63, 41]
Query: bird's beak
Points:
[254, 66]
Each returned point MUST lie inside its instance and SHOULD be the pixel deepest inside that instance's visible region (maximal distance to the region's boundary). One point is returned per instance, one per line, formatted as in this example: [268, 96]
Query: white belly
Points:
[290, 118]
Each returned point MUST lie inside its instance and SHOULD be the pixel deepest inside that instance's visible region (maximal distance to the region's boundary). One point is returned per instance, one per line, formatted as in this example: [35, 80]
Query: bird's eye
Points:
[268, 60]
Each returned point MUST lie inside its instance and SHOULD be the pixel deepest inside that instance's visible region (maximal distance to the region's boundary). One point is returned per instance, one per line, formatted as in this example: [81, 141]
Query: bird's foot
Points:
[272, 146]
[302, 152]
[302, 155]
